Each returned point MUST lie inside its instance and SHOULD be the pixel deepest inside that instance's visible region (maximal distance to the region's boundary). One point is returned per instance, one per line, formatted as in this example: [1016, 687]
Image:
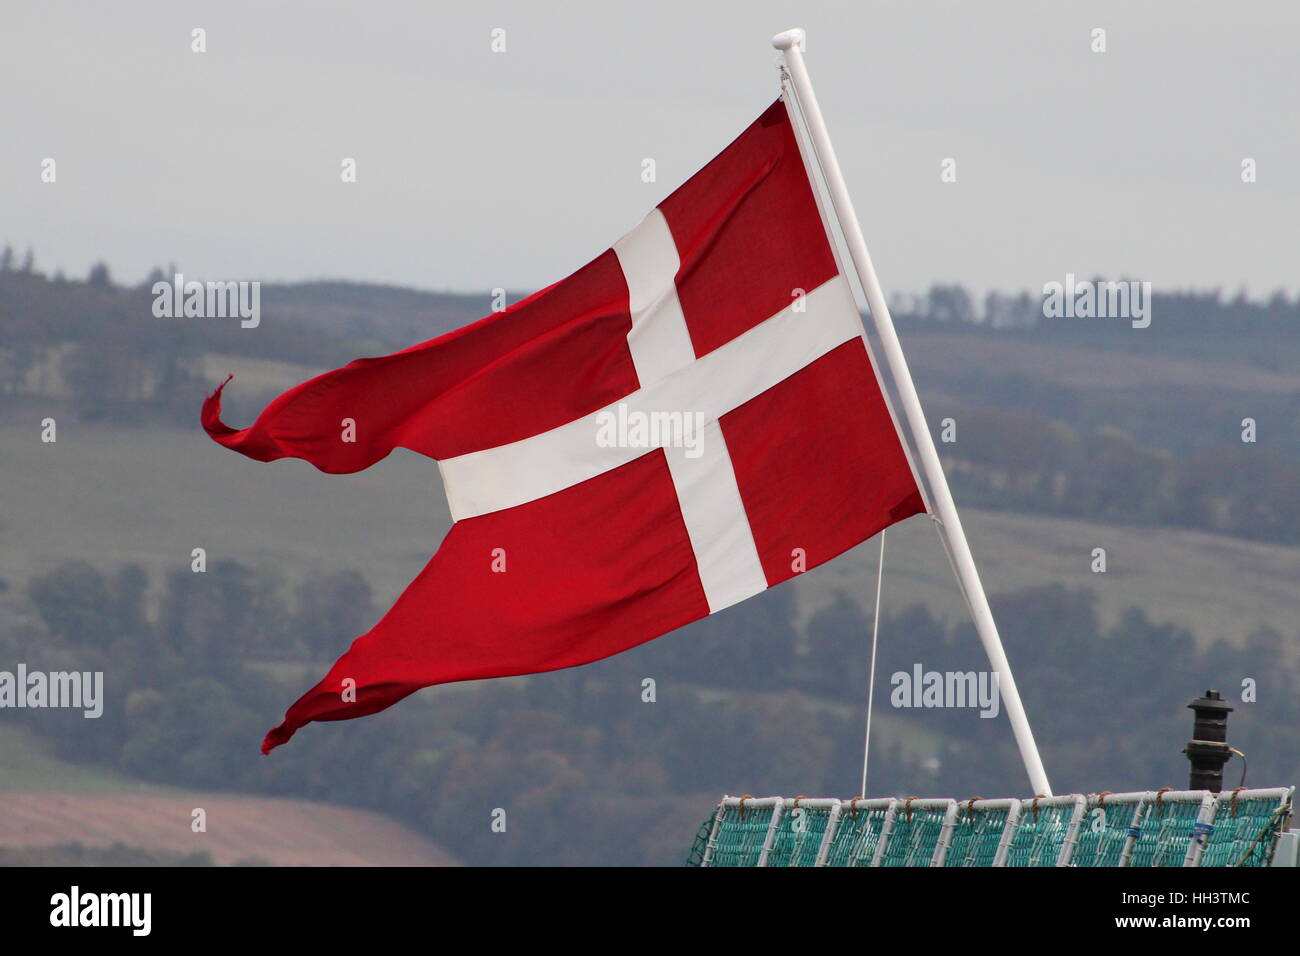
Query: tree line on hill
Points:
[198, 666]
[1023, 462]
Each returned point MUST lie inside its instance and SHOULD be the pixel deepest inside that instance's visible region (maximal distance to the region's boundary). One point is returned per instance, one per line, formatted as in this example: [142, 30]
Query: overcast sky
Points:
[479, 169]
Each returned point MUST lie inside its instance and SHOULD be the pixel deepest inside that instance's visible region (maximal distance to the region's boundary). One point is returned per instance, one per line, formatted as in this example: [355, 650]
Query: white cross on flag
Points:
[688, 419]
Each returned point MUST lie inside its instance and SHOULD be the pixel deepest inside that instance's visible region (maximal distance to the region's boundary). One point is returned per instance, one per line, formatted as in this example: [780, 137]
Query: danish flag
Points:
[726, 306]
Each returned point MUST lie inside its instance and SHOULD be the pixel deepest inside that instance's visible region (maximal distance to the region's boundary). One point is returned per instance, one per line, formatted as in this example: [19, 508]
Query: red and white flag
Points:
[688, 419]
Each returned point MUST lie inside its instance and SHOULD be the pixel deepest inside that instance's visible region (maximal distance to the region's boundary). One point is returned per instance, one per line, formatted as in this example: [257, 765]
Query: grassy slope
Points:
[1212, 585]
[28, 766]
[939, 356]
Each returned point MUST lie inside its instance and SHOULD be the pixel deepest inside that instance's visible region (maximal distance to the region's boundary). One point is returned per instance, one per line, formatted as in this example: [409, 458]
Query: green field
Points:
[1212, 585]
[110, 495]
[28, 765]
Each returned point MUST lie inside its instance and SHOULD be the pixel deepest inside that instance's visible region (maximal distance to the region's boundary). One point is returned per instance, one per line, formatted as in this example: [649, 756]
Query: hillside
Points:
[1211, 585]
[174, 490]
[45, 802]
[240, 829]
[1068, 439]
[948, 356]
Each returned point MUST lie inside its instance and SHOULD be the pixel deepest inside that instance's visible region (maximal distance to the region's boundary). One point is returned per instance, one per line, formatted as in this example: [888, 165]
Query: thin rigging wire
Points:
[871, 680]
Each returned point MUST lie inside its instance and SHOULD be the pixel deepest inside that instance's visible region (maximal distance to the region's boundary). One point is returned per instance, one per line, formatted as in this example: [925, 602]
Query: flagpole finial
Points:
[783, 41]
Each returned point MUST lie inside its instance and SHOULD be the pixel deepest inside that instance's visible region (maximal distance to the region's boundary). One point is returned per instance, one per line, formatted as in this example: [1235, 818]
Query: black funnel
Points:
[1208, 749]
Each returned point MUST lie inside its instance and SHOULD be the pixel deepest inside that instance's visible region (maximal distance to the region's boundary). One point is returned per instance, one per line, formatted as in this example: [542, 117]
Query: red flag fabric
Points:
[690, 418]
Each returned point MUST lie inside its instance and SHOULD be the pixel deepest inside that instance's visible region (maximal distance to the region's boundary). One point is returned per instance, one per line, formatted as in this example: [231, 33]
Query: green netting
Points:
[1165, 832]
[975, 836]
[740, 837]
[1245, 832]
[1040, 834]
[799, 832]
[696, 856]
[856, 836]
[914, 837]
[1102, 834]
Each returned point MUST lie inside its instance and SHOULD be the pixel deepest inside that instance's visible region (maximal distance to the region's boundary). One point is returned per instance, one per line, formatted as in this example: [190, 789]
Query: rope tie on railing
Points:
[907, 807]
[1160, 799]
[1232, 801]
[741, 806]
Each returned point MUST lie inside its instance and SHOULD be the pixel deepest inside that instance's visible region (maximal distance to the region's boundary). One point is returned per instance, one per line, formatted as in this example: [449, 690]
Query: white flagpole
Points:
[949, 525]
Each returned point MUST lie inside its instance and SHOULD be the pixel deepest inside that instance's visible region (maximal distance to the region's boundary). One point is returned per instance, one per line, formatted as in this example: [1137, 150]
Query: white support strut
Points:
[949, 525]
